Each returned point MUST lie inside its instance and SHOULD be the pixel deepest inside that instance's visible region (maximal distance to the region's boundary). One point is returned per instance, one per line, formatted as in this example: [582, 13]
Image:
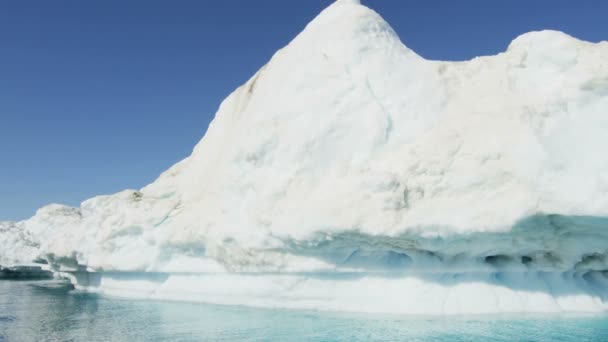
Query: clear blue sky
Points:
[99, 96]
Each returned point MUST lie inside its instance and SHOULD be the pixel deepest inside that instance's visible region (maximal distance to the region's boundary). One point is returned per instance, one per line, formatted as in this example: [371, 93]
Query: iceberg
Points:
[349, 173]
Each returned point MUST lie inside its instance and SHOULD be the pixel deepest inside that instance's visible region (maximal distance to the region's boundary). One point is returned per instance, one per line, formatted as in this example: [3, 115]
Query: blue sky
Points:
[99, 96]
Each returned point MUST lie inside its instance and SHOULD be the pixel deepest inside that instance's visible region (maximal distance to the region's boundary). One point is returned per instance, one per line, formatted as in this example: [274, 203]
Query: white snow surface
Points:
[18, 246]
[349, 165]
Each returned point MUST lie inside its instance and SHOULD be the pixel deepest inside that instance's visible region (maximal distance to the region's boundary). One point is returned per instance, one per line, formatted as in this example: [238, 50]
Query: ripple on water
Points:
[50, 311]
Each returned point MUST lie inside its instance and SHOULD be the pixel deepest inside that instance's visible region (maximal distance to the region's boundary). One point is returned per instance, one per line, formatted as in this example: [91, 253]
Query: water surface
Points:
[51, 311]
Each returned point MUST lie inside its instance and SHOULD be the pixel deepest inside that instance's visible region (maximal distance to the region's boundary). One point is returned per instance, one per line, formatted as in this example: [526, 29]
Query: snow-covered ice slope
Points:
[349, 173]
[17, 245]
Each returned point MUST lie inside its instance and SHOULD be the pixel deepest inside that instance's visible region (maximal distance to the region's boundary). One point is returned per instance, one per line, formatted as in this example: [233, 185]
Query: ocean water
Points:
[51, 311]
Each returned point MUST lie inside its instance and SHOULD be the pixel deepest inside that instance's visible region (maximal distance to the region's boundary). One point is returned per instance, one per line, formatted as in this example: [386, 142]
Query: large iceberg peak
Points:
[345, 29]
[348, 2]
[320, 103]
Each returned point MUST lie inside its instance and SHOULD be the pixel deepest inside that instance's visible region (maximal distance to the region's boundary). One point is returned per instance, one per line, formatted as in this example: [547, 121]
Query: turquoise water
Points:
[50, 311]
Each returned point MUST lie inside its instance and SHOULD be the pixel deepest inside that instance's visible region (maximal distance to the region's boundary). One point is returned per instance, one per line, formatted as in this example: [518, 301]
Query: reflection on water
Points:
[51, 311]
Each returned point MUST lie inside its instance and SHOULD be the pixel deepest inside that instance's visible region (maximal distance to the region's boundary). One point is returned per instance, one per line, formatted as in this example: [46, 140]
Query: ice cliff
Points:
[349, 173]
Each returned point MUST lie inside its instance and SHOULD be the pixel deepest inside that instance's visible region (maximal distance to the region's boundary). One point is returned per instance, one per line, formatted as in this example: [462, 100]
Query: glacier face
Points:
[349, 173]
